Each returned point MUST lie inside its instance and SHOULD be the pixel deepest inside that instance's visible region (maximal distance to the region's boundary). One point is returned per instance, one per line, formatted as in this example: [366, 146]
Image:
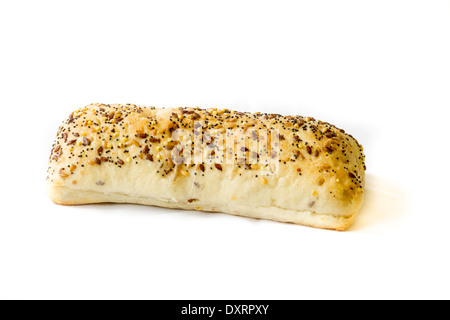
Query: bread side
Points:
[285, 168]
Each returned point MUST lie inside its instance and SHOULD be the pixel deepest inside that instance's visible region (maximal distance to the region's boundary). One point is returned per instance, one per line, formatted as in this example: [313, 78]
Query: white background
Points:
[378, 69]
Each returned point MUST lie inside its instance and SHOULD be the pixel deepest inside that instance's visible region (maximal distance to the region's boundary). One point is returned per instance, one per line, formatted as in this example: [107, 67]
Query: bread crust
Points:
[303, 171]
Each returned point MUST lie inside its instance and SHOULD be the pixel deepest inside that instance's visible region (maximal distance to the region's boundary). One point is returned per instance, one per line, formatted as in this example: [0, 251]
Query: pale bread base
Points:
[64, 195]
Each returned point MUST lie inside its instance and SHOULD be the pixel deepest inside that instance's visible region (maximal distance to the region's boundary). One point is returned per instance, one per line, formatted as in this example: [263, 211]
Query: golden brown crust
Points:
[316, 162]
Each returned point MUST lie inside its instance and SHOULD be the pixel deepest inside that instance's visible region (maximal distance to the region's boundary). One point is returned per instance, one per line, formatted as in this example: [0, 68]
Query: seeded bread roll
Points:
[267, 166]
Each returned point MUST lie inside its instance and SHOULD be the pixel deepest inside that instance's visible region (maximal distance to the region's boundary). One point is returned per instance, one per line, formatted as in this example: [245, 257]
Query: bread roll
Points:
[267, 166]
